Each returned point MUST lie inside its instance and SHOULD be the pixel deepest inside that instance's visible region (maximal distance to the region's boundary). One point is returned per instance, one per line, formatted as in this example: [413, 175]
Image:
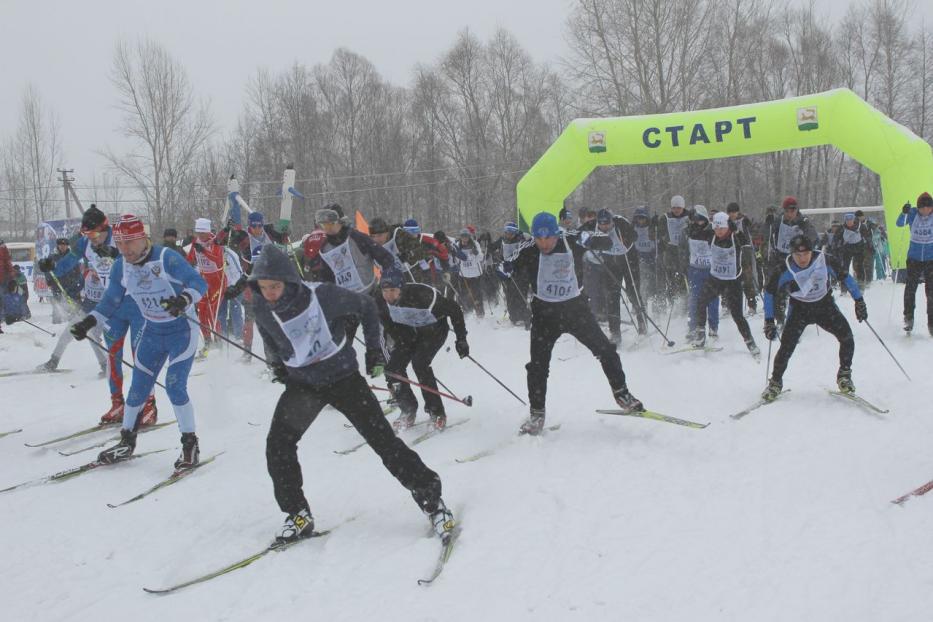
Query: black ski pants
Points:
[825, 314]
[550, 320]
[915, 270]
[297, 409]
[623, 272]
[854, 254]
[516, 300]
[731, 292]
[472, 295]
[419, 351]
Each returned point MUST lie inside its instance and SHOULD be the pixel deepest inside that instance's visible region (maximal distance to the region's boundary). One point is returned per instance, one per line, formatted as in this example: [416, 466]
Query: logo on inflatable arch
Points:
[597, 142]
[807, 119]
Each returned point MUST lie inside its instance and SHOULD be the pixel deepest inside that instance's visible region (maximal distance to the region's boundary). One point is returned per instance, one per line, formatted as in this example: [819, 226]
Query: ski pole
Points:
[93, 341]
[231, 342]
[47, 332]
[490, 374]
[468, 400]
[768, 364]
[446, 388]
[888, 351]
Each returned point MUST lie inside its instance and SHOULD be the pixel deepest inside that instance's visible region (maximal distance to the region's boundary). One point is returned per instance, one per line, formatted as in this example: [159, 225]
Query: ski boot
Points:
[404, 421]
[699, 339]
[49, 366]
[296, 527]
[149, 413]
[103, 371]
[534, 423]
[752, 307]
[121, 451]
[442, 520]
[771, 391]
[438, 420]
[844, 380]
[115, 414]
[753, 348]
[627, 402]
[714, 333]
[908, 324]
[190, 454]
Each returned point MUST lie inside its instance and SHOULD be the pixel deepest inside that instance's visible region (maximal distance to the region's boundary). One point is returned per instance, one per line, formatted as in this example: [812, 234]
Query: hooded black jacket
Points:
[342, 309]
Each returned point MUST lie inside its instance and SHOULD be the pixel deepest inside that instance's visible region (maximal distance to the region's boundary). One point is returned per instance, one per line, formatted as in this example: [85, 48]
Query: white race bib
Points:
[557, 280]
[921, 230]
[700, 254]
[812, 280]
[340, 260]
[309, 334]
[148, 285]
[723, 264]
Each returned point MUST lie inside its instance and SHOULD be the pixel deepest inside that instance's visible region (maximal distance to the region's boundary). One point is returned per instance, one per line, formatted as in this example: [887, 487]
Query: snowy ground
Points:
[784, 515]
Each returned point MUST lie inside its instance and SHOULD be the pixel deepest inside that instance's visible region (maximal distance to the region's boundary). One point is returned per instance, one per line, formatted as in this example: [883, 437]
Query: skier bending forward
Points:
[304, 327]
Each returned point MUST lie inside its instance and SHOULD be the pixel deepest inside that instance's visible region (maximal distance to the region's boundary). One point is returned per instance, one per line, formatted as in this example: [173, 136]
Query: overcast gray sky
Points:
[65, 48]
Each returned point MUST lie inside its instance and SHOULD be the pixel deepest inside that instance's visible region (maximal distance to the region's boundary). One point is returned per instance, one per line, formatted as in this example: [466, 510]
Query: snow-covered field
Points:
[784, 515]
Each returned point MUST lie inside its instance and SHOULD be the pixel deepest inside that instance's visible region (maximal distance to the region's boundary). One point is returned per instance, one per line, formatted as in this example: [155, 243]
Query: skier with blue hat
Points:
[552, 267]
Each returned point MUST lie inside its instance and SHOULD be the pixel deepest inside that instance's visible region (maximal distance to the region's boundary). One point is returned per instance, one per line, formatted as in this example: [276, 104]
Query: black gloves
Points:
[770, 330]
[47, 264]
[279, 372]
[176, 305]
[197, 246]
[80, 328]
[236, 289]
[861, 310]
[463, 348]
[106, 251]
[906, 208]
[375, 362]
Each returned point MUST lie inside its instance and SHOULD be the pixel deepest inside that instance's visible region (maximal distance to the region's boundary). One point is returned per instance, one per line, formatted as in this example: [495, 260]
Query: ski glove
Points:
[279, 372]
[176, 305]
[375, 363]
[79, 329]
[47, 264]
[770, 330]
[463, 348]
[906, 208]
[861, 310]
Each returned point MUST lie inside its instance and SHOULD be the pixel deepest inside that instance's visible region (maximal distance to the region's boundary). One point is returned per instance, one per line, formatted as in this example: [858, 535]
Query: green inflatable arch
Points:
[839, 117]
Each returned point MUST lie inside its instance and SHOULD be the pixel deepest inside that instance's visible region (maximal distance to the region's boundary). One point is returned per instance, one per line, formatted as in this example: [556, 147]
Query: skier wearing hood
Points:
[305, 329]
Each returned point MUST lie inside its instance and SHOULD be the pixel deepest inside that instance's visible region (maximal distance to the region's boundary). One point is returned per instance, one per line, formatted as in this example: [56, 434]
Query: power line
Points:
[272, 181]
[312, 194]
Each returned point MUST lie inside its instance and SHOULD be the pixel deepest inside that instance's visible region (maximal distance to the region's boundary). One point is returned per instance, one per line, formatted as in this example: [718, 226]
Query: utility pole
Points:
[66, 182]
[70, 193]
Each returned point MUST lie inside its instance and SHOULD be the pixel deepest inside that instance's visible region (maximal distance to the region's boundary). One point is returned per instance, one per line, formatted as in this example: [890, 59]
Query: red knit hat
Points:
[130, 227]
[925, 200]
[788, 202]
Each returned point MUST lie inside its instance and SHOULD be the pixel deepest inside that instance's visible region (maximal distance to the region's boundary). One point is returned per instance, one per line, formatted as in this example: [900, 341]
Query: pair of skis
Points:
[852, 397]
[447, 546]
[91, 430]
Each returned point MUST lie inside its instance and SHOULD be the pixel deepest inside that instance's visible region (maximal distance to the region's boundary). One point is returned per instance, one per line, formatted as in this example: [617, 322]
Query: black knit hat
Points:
[800, 242]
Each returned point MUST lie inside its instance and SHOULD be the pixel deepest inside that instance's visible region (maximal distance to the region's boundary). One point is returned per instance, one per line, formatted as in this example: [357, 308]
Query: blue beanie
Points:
[544, 225]
[849, 216]
[411, 226]
[641, 211]
[392, 278]
[510, 227]
[255, 218]
[604, 216]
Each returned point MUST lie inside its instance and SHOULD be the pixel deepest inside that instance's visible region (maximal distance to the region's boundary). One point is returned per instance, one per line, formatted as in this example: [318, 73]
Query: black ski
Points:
[175, 477]
[76, 471]
[85, 432]
[756, 405]
[110, 439]
[243, 563]
[492, 450]
[33, 372]
[650, 414]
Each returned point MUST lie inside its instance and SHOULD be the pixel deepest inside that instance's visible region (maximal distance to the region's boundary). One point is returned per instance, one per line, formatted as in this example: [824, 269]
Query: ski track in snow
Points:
[784, 515]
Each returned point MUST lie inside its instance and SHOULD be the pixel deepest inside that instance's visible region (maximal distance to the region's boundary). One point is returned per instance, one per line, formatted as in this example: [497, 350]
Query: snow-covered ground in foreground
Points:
[784, 515]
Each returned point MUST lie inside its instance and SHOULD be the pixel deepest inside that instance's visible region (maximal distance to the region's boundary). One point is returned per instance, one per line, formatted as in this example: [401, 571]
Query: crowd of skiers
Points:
[405, 290]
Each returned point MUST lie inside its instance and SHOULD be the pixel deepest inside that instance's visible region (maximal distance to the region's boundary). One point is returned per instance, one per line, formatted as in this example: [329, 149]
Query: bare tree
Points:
[159, 114]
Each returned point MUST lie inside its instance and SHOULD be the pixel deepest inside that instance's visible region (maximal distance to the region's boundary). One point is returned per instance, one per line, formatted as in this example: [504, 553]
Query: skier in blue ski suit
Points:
[164, 288]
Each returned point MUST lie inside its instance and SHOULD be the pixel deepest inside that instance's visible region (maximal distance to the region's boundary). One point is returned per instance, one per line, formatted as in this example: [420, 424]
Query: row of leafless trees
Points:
[449, 147]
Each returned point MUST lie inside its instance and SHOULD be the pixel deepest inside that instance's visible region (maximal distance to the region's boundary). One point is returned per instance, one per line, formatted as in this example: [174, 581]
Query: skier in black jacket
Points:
[553, 269]
[305, 330]
[415, 316]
